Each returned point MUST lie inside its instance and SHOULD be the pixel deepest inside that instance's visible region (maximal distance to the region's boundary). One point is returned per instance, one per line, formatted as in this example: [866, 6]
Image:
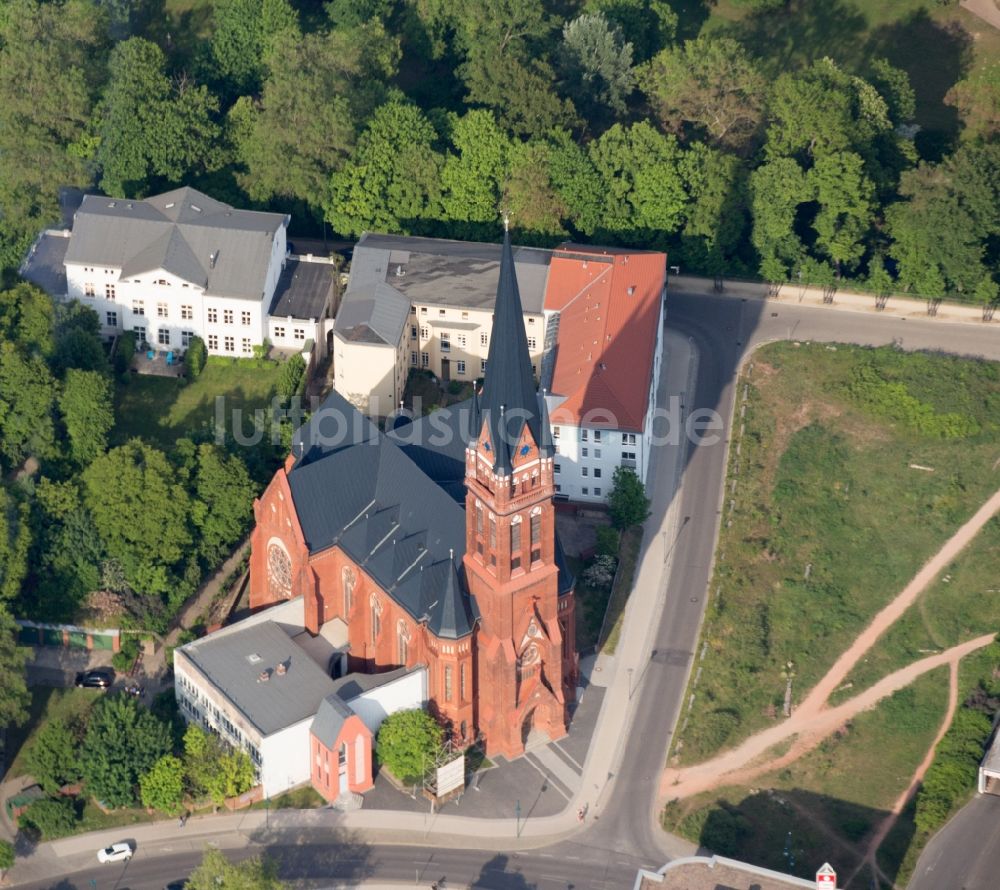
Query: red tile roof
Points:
[609, 307]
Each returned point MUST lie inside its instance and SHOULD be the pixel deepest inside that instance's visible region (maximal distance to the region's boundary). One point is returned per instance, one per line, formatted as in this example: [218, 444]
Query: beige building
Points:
[426, 303]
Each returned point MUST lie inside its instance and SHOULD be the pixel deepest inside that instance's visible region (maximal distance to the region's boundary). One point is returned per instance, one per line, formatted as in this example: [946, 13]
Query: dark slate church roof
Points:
[355, 487]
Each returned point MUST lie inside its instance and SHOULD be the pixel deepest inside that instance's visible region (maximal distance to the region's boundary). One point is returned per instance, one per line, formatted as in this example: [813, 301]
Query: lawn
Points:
[825, 805]
[963, 603]
[832, 519]
[163, 409]
[936, 45]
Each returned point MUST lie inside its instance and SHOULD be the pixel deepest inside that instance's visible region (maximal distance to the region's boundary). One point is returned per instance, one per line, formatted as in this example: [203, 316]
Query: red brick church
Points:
[435, 544]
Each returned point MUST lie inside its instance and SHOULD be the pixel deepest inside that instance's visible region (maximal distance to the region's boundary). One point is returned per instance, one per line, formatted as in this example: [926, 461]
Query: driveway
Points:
[58, 665]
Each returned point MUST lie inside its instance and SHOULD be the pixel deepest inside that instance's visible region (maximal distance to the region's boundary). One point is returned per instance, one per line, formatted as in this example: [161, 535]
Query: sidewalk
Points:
[844, 301]
[602, 762]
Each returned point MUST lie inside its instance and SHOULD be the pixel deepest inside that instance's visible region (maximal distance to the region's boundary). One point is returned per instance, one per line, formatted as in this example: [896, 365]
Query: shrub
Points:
[123, 660]
[408, 742]
[196, 356]
[607, 541]
[52, 759]
[291, 376]
[50, 817]
[125, 352]
[600, 573]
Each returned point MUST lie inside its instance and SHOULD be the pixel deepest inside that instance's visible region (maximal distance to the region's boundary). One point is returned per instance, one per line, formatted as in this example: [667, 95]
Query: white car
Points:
[115, 853]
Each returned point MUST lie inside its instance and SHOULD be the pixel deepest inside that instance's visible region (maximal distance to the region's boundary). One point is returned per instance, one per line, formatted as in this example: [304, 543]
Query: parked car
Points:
[98, 678]
[176, 885]
[115, 853]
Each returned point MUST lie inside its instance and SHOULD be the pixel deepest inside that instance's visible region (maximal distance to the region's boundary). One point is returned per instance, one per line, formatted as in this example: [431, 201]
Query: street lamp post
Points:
[630, 684]
[517, 817]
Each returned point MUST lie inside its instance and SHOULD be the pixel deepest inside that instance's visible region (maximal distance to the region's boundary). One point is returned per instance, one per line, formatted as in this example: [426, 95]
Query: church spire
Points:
[509, 400]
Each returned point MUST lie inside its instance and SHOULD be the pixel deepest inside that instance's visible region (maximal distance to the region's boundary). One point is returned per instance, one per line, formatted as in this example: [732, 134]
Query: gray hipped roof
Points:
[354, 487]
[509, 400]
[184, 232]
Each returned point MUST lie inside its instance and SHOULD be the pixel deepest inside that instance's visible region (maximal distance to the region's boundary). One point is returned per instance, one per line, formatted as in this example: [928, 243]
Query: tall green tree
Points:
[52, 758]
[6, 856]
[407, 743]
[576, 181]
[305, 124]
[392, 181]
[224, 496]
[51, 68]
[644, 195]
[244, 36]
[822, 110]
[710, 84]
[150, 126]
[946, 219]
[535, 205]
[627, 501]
[845, 197]
[716, 218]
[649, 25]
[15, 699]
[162, 786]
[87, 408]
[776, 190]
[27, 397]
[141, 513]
[596, 64]
[15, 544]
[27, 319]
[977, 98]
[473, 178]
[122, 743]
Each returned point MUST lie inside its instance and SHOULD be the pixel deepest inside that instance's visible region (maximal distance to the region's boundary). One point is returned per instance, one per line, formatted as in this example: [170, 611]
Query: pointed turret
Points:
[509, 399]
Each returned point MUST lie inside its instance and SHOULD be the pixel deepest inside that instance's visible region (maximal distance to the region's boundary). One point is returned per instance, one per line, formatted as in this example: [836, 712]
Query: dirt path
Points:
[813, 720]
[901, 803]
[835, 677]
[730, 767]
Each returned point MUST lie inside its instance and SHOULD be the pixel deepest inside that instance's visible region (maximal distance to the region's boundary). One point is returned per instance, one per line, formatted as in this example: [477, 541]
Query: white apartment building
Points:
[180, 265]
[593, 318]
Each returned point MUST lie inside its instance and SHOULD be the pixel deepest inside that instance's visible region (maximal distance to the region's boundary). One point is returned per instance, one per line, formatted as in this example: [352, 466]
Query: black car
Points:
[99, 678]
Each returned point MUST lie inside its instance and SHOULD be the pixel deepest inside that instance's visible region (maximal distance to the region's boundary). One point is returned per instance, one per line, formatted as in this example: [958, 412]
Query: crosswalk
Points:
[560, 770]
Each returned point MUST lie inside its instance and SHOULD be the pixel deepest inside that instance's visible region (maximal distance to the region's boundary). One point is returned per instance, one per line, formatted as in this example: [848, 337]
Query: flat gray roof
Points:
[233, 663]
[303, 290]
[462, 274]
[352, 685]
[44, 265]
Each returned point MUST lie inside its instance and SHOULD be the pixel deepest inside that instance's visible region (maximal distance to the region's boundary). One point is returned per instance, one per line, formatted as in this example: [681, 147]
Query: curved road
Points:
[626, 836]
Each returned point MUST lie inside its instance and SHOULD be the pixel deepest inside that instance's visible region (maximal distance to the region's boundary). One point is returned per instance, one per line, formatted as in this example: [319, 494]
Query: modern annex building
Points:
[182, 264]
[435, 545]
[593, 321]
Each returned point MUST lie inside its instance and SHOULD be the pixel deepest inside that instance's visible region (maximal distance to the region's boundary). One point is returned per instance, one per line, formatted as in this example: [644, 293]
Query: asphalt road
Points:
[322, 864]
[625, 837]
[965, 854]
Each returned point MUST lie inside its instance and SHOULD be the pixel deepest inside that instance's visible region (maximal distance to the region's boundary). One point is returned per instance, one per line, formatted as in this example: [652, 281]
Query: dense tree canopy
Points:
[122, 743]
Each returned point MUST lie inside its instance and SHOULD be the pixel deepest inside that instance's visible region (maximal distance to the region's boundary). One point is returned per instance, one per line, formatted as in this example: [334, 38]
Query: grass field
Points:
[824, 806]
[163, 409]
[831, 520]
[962, 604]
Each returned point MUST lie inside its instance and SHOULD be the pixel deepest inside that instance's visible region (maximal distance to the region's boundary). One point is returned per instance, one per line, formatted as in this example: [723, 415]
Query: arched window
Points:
[536, 534]
[376, 616]
[462, 688]
[493, 541]
[402, 642]
[515, 543]
[349, 579]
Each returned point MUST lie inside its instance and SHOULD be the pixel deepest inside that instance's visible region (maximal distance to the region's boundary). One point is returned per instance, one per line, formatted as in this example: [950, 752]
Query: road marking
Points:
[550, 780]
[567, 756]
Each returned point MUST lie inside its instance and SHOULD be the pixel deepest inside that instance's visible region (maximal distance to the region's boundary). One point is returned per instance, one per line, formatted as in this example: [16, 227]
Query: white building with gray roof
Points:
[180, 265]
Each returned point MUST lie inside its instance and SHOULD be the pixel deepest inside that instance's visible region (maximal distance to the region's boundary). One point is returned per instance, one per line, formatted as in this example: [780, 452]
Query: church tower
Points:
[510, 555]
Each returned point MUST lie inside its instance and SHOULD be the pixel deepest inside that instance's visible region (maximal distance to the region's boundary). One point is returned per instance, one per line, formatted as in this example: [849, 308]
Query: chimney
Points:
[281, 669]
[211, 260]
[264, 676]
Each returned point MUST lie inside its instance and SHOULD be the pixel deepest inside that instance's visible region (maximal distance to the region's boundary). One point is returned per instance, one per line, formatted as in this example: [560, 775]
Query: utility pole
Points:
[517, 817]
